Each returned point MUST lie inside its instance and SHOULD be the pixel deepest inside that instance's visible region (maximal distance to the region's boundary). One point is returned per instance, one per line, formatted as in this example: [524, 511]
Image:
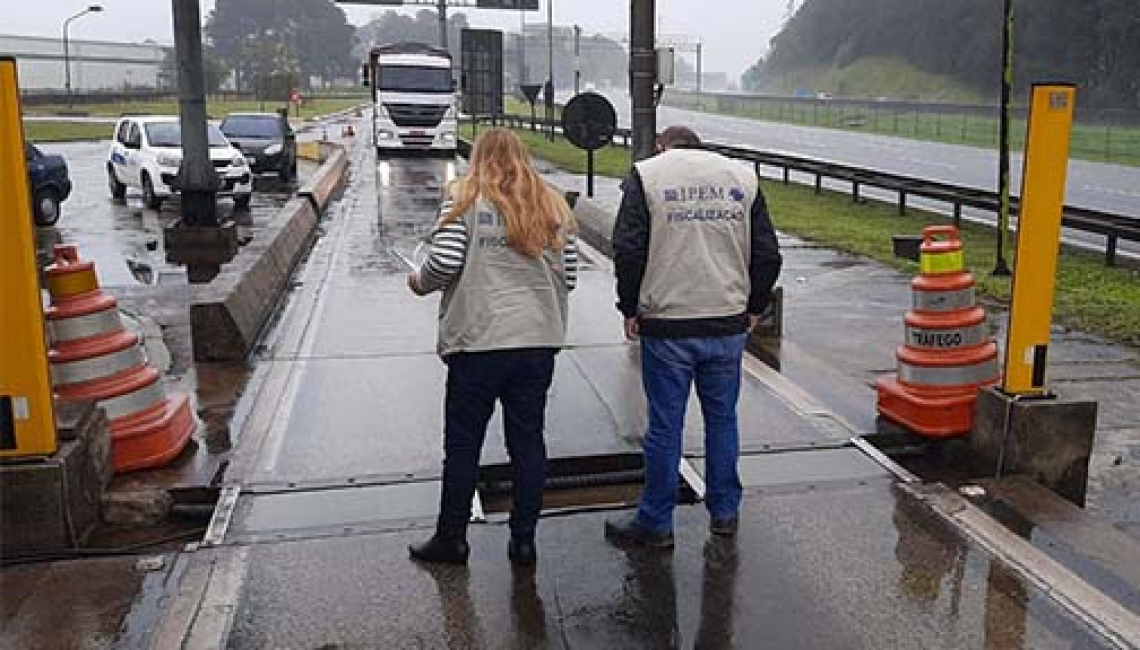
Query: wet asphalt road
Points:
[338, 461]
[125, 240]
[1100, 186]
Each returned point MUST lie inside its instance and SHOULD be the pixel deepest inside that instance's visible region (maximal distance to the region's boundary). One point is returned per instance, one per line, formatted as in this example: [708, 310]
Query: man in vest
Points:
[696, 258]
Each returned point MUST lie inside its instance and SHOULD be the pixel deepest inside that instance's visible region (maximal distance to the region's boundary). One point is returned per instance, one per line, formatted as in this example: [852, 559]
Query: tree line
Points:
[1093, 43]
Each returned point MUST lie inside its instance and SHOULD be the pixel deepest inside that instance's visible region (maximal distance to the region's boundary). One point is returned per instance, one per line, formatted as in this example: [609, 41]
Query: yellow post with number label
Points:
[27, 416]
[1038, 238]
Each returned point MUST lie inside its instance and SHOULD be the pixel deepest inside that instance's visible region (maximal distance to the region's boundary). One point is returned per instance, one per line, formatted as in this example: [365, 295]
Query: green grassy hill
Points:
[875, 77]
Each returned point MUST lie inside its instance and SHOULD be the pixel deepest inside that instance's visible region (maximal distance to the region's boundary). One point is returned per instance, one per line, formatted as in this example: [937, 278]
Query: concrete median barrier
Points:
[228, 315]
[329, 179]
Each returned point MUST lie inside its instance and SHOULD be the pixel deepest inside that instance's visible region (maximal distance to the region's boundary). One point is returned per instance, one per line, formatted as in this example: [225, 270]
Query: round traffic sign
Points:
[589, 121]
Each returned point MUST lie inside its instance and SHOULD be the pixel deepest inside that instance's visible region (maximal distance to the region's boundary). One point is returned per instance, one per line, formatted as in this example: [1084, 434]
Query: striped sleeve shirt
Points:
[449, 254]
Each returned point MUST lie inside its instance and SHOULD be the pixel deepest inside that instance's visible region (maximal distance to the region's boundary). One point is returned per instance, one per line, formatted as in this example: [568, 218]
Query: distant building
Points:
[715, 81]
[95, 65]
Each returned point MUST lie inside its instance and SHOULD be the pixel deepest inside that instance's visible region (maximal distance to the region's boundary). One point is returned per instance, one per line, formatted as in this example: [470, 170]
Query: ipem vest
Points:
[503, 299]
[700, 239]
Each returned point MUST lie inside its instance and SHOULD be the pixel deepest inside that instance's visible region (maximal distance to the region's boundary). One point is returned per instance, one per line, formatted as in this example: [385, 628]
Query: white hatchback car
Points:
[147, 154]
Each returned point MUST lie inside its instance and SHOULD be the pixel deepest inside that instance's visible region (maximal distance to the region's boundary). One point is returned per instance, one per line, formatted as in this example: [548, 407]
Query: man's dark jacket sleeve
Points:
[631, 244]
[764, 267]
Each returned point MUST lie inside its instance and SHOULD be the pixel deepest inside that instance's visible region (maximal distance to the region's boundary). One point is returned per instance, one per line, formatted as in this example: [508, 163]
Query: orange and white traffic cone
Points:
[94, 358]
[947, 356]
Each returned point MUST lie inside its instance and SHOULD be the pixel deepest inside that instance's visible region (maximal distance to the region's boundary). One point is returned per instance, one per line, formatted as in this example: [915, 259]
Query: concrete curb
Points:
[228, 315]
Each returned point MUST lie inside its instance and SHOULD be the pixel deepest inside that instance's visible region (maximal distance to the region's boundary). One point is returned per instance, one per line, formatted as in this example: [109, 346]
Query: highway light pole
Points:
[1001, 267]
[93, 9]
[550, 69]
[577, 59]
[642, 76]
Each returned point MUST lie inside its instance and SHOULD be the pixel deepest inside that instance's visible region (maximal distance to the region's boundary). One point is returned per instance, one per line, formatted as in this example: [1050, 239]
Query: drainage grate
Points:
[583, 482]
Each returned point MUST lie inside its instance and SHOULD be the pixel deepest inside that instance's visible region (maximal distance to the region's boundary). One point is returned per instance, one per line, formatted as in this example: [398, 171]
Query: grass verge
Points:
[217, 108]
[39, 132]
[610, 161]
[1090, 297]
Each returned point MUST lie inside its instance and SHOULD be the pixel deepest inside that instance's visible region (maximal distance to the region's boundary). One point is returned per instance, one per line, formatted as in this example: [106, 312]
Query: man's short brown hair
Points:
[677, 136]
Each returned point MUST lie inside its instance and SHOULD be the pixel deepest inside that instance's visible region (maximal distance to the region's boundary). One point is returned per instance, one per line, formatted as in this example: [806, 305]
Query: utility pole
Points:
[442, 24]
[577, 59]
[700, 76]
[550, 69]
[1001, 267]
[522, 47]
[198, 179]
[642, 76]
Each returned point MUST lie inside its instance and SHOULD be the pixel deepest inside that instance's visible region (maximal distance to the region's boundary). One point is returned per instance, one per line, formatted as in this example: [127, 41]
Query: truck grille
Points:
[415, 115]
[417, 141]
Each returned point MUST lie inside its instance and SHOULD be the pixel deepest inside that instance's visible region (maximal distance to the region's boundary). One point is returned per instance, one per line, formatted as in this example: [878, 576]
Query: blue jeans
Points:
[669, 367]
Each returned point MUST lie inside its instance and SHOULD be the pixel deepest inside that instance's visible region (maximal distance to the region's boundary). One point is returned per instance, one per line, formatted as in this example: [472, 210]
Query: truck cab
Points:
[413, 93]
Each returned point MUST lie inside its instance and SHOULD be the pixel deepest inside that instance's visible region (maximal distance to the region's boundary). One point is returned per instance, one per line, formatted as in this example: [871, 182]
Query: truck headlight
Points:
[273, 150]
[168, 160]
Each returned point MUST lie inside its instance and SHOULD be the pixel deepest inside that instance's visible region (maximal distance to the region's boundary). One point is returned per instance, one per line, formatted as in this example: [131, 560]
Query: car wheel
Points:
[46, 207]
[152, 200]
[241, 201]
[118, 190]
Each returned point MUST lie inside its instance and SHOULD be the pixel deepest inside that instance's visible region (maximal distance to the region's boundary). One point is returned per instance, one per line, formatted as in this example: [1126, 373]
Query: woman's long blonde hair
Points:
[537, 217]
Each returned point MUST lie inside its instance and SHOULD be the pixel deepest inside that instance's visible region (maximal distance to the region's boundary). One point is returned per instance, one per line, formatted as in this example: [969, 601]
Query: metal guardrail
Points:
[1113, 227]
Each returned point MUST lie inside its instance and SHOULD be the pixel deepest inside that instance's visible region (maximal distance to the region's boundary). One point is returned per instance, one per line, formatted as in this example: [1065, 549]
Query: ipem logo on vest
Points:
[496, 221]
[727, 204]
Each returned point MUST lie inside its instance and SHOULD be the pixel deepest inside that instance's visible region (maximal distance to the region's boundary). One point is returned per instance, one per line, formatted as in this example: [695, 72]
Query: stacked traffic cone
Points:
[947, 356]
[94, 358]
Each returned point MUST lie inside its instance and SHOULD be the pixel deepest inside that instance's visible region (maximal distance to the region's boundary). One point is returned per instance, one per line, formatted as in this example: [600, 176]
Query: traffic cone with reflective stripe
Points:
[947, 356]
[94, 358]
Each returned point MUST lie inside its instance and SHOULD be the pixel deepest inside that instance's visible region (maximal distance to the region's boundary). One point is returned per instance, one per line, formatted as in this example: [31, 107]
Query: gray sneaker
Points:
[726, 527]
[628, 530]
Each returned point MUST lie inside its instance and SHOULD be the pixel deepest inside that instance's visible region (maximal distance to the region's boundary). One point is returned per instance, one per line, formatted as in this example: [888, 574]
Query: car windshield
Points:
[169, 134]
[414, 79]
[252, 126]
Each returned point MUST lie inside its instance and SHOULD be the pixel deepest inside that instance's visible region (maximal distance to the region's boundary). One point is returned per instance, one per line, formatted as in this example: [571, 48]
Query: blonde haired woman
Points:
[504, 256]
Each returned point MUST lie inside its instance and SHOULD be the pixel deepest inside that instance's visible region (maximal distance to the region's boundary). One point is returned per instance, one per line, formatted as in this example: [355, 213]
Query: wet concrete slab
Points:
[840, 568]
[78, 604]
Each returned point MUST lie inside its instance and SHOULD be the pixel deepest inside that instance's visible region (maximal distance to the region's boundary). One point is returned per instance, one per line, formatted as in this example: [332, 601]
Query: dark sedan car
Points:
[50, 184]
[266, 140]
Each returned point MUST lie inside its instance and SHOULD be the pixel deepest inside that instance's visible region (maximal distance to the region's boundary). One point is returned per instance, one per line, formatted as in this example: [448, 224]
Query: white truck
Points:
[413, 94]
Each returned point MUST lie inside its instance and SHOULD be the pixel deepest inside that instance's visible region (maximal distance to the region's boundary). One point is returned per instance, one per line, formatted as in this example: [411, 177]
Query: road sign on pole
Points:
[27, 416]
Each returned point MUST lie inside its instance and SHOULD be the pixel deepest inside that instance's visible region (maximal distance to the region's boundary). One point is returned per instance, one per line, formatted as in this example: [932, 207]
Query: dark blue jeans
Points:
[519, 379]
[669, 367]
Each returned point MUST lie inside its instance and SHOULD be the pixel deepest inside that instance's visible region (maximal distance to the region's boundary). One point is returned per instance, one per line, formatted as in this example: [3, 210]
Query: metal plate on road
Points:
[589, 121]
[321, 513]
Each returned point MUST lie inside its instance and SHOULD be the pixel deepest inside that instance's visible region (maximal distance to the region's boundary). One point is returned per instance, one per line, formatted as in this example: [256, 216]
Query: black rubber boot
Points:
[442, 549]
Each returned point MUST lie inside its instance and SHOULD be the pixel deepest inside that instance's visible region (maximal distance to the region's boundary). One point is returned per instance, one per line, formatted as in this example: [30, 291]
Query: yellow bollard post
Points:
[27, 417]
[1038, 238]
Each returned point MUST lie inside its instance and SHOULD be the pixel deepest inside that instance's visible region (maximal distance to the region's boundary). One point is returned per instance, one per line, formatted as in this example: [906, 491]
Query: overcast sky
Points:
[734, 32]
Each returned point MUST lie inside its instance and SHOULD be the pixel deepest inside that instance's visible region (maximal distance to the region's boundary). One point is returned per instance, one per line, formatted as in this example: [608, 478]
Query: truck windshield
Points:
[410, 79]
